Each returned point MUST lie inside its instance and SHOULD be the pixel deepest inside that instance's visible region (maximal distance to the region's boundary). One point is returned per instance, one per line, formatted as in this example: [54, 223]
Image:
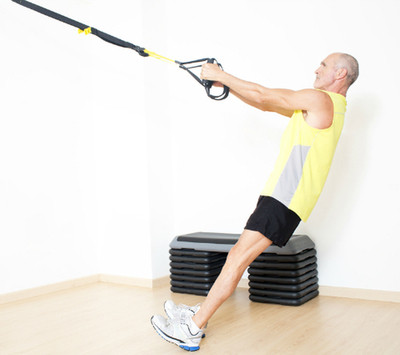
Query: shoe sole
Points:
[173, 340]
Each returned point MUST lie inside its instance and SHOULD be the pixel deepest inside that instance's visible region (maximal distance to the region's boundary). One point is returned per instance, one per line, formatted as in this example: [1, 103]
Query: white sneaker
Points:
[174, 311]
[182, 332]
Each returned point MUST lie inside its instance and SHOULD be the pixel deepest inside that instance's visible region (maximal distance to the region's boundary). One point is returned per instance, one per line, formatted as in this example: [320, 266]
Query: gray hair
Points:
[349, 63]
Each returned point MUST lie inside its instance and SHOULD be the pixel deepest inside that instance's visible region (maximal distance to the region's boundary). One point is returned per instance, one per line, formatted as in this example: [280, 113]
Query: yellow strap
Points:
[86, 30]
[157, 56]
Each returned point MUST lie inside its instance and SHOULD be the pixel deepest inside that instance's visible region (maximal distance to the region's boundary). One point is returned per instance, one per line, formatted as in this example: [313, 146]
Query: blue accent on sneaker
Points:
[173, 340]
[188, 348]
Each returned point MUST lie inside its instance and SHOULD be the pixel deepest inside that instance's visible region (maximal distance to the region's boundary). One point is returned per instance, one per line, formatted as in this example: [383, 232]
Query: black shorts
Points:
[273, 220]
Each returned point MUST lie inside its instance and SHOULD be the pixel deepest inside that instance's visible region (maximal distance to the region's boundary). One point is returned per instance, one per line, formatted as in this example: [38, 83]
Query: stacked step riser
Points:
[286, 279]
[193, 271]
[286, 276]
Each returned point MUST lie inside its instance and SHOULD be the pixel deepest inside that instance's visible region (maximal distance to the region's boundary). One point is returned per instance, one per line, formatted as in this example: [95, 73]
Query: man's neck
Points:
[338, 88]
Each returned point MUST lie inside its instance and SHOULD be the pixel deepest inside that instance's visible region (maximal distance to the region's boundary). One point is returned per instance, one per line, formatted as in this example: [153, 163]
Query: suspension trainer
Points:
[82, 28]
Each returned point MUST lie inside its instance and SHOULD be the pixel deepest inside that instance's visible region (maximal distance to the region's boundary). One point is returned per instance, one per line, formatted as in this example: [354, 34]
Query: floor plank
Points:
[104, 319]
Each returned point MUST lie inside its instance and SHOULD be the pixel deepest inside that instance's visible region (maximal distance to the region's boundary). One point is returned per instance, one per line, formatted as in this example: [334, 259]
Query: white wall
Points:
[105, 156]
[73, 156]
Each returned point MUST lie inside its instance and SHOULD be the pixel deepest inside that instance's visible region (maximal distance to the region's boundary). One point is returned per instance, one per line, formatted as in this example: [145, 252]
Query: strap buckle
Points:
[86, 30]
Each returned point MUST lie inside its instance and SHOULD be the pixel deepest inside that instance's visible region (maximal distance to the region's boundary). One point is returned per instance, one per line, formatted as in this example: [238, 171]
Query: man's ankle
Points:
[197, 322]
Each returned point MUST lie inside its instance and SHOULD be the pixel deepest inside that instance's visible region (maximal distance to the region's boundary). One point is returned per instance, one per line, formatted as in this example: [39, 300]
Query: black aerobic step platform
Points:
[283, 280]
[197, 282]
[283, 287]
[286, 273]
[285, 301]
[286, 276]
[192, 272]
[287, 258]
[192, 285]
[196, 259]
[197, 279]
[288, 266]
[196, 266]
[195, 253]
[289, 278]
[283, 294]
[223, 242]
[191, 291]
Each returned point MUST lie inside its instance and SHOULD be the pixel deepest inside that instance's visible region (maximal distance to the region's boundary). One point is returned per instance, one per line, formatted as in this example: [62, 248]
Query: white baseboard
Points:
[125, 280]
[44, 290]
[134, 281]
[357, 293]
[363, 294]
[69, 284]
[374, 295]
[243, 283]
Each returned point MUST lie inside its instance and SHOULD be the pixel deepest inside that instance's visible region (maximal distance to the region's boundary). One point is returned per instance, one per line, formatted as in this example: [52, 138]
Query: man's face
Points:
[326, 73]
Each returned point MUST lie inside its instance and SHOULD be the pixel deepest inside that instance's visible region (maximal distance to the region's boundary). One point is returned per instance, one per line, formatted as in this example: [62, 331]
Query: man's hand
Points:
[211, 71]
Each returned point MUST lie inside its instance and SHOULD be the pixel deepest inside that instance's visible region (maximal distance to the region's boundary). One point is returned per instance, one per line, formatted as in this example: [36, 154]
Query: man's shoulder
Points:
[320, 113]
[317, 94]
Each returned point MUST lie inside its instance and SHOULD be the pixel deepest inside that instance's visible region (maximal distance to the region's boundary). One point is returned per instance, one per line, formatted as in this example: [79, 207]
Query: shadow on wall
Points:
[344, 186]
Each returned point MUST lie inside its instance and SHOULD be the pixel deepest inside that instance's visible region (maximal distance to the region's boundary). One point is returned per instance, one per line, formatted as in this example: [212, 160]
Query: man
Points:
[307, 148]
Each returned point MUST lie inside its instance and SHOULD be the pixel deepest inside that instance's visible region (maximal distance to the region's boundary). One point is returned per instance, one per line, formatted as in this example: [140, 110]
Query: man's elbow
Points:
[265, 104]
[262, 99]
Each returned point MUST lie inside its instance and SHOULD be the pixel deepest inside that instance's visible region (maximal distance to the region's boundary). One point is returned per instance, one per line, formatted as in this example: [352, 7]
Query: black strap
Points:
[104, 36]
[140, 50]
[118, 42]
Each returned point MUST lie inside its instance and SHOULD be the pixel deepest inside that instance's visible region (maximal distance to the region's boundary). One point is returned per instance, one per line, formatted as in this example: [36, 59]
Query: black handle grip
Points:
[209, 83]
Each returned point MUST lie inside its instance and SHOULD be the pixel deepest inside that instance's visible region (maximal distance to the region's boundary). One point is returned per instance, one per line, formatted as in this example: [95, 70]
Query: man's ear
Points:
[341, 73]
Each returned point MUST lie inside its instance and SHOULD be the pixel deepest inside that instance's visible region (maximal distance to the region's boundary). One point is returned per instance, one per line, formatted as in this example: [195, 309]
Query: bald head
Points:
[348, 62]
[336, 73]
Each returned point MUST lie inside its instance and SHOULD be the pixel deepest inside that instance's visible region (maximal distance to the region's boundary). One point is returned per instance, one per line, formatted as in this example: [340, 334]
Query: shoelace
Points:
[184, 306]
[185, 317]
[184, 309]
[183, 312]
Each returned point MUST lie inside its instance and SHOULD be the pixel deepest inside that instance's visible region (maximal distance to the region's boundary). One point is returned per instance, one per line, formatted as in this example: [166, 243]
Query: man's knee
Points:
[236, 259]
[249, 246]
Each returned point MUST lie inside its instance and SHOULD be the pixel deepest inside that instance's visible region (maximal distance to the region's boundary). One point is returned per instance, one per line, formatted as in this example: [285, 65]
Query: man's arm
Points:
[316, 105]
[258, 104]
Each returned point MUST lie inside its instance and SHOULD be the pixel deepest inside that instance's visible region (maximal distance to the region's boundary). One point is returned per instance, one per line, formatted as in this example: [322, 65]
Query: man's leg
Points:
[249, 246]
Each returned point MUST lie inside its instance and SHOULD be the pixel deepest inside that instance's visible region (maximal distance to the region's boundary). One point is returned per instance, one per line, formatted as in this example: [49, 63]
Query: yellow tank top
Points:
[304, 160]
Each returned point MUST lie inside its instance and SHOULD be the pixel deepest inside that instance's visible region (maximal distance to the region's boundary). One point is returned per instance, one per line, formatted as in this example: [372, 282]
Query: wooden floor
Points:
[107, 319]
